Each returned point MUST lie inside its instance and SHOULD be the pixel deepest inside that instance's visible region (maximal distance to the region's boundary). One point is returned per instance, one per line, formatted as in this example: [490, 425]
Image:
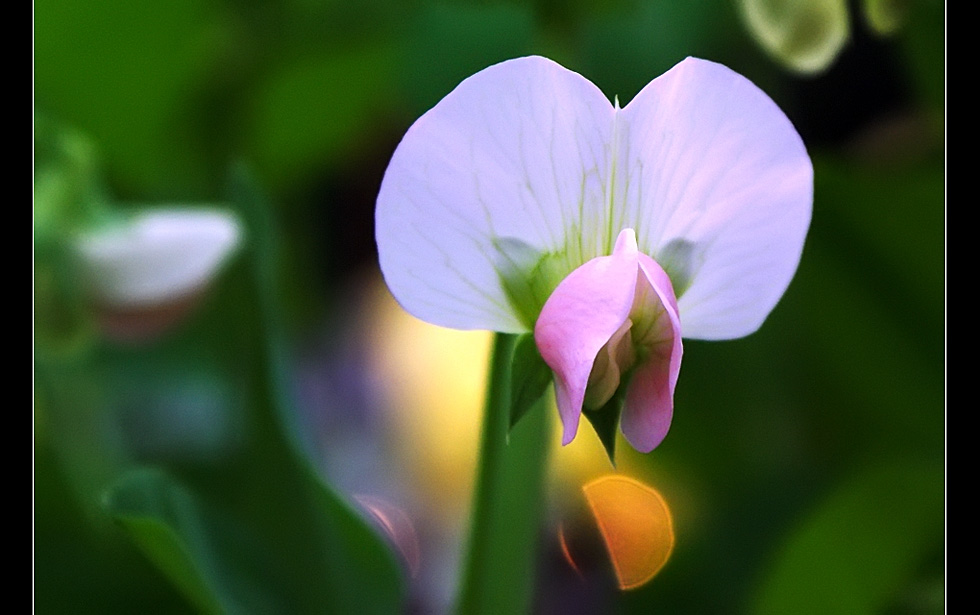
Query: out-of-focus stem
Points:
[499, 571]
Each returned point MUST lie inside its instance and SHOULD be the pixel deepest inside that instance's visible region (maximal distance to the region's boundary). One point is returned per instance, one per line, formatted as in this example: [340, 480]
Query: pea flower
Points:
[157, 256]
[525, 201]
[147, 272]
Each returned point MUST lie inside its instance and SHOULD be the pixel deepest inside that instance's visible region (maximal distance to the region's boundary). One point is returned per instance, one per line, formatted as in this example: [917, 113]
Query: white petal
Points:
[720, 187]
[158, 256]
[516, 155]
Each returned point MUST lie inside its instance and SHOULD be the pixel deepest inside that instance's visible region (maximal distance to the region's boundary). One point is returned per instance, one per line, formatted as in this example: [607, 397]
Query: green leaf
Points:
[329, 559]
[250, 527]
[605, 420]
[859, 549]
[190, 545]
[530, 377]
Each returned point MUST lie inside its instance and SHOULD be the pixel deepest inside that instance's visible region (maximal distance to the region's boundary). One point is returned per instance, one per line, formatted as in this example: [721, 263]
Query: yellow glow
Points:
[433, 381]
[635, 524]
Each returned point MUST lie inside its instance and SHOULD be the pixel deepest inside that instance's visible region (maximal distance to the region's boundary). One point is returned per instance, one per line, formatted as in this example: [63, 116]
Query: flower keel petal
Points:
[587, 308]
[650, 398]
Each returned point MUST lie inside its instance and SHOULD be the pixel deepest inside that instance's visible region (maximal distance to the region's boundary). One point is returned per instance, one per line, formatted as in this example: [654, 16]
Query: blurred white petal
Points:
[158, 256]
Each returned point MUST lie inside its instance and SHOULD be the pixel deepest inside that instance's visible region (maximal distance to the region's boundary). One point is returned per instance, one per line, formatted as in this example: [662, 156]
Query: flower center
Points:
[613, 360]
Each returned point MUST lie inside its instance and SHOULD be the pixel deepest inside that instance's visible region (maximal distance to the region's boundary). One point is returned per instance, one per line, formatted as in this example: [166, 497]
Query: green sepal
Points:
[530, 377]
[529, 276]
[605, 420]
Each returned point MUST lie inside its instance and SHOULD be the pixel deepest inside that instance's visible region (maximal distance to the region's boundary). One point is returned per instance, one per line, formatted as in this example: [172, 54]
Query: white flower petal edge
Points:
[157, 256]
[518, 151]
[702, 164]
[720, 187]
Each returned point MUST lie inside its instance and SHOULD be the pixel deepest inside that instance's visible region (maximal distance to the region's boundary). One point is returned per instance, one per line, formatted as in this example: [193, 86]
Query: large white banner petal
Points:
[720, 187]
[516, 155]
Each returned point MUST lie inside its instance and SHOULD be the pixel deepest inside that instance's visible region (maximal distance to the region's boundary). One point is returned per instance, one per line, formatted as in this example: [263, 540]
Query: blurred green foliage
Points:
[803, 35]
[805, 465]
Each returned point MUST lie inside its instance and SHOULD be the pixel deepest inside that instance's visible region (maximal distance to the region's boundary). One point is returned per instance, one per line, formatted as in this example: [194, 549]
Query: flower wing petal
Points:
[516, 153]
[649, 404]
[585, 310]
[721, 188]
[157, 256]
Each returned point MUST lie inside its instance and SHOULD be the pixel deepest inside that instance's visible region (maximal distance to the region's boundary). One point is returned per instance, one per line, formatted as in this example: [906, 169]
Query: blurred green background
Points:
[806, 463]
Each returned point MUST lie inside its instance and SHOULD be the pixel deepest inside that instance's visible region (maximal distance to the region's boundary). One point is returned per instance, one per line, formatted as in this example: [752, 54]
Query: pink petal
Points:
[650, 398]
[580, 316]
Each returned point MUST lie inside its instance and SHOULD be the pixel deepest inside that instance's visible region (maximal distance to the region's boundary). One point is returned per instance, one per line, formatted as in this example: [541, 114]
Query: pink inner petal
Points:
[586, 309]
[607, 372]
[657, 331]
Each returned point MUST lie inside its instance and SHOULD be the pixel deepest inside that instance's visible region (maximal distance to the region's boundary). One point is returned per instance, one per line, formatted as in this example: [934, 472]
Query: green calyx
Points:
[529, 276]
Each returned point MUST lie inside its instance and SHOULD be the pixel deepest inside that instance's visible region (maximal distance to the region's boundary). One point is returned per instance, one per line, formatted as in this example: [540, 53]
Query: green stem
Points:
[498, 576]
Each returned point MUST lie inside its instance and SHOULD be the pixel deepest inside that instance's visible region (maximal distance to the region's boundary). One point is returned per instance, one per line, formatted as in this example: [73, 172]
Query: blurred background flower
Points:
[806, 471]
